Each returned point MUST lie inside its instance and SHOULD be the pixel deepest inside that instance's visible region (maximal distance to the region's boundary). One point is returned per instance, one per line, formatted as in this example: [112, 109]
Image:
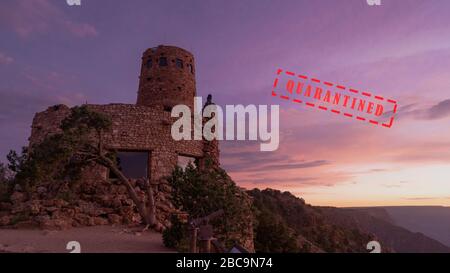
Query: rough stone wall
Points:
[211, 151]
[94, 201]
[167, 85]
[134, 128]
[47, 122]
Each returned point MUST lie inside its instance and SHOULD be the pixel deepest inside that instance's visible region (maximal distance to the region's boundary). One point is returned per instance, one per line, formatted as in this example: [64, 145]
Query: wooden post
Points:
[205, 237]
[193, 243]
[205, 246]
[205, 233]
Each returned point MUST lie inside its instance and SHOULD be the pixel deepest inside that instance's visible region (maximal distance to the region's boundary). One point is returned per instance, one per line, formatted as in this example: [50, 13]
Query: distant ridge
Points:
[432, 221]
[330, 229]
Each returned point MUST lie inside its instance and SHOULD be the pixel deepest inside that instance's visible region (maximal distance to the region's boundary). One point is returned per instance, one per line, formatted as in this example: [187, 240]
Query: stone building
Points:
[141, 136]
[141, 132]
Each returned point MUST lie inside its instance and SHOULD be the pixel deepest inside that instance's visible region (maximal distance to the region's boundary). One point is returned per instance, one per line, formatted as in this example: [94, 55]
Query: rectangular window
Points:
[149, 63]
[132, 164]
[179, 63]
[162, 61]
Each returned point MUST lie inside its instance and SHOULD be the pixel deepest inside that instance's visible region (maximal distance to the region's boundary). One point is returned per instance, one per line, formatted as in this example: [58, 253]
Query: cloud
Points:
[238, 158]
[376, 170]
[265, 180]
[414, 111]
[278, 167]
[399, 184]
[34, 91]
[440, 110]
[19, 106]
[425, 198]
[26, 18]
[5, 59]
[80, 30]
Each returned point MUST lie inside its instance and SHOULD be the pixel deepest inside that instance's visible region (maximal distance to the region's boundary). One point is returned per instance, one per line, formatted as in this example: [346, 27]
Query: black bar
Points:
[224, 262]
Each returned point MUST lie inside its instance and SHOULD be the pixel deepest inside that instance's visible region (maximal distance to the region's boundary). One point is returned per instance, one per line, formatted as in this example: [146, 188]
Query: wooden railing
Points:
[202, 232]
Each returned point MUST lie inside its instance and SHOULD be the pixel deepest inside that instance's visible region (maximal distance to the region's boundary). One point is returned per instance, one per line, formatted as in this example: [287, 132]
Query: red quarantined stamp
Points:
[334, 98]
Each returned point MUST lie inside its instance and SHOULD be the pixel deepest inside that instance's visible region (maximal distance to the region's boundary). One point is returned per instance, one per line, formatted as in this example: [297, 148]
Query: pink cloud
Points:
[81, 30]
[58, 87]
[40, 16]
[5, 59]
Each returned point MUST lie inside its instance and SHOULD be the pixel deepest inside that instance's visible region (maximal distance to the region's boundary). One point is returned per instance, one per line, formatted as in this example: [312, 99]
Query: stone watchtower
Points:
[167, 77]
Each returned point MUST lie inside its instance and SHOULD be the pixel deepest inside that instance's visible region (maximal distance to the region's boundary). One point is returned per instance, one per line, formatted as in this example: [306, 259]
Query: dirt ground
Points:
[99, 239]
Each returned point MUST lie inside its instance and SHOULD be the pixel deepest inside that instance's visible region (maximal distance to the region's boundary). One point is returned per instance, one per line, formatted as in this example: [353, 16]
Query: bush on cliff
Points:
[5, 183]
[202, 192]
[287, 224]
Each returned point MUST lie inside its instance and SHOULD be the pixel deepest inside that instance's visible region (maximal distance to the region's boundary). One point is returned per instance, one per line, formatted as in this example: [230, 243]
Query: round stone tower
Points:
[167, 77]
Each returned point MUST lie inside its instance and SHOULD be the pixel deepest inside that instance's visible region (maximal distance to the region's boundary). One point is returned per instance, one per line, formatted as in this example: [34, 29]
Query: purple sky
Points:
[54, 53]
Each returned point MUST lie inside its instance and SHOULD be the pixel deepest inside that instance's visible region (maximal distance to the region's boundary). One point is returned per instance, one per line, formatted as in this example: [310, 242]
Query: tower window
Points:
[191, 68]
[149, 63]
[162, 61]
[179, 63]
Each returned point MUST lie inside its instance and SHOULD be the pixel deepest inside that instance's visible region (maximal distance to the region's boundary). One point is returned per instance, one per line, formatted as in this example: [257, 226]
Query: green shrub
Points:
[273, 235]
[176, 236]
[202, 192]
[5, 183]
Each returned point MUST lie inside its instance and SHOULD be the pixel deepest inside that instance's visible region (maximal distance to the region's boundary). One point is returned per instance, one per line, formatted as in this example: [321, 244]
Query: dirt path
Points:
[92, 240]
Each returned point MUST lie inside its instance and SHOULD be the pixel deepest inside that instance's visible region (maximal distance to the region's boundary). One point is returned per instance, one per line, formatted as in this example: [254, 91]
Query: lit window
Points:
[179, 63]
[163, 61]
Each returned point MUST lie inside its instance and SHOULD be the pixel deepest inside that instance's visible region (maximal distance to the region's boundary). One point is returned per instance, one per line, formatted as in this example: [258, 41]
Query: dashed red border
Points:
[338, 112]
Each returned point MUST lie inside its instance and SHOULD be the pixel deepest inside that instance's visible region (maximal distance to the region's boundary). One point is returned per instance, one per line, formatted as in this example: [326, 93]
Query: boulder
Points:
[5, 220]
[100, 221]
[17, 188]
[164, 207]
[68, 212]
[51, 209]
[26, 224]
[18, 197]
[5, 206]
[165, 187]
[122, 189]
[19, 208]
[60, 203]
[41, 190]
[116, 203]
[34, 207]
[56, 224]
[82, 219]
[115, 219]
[48, 203]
